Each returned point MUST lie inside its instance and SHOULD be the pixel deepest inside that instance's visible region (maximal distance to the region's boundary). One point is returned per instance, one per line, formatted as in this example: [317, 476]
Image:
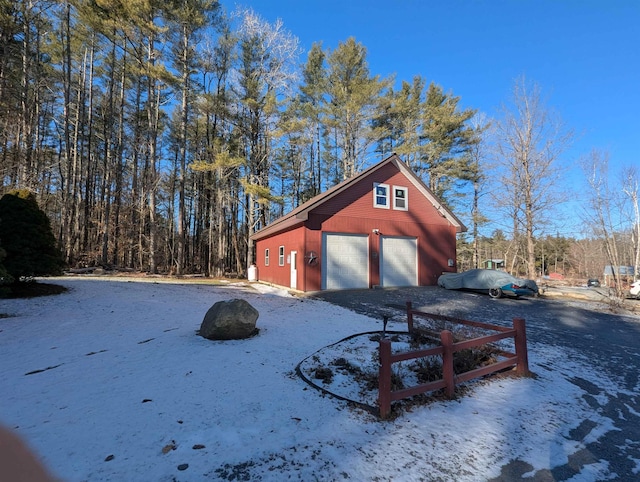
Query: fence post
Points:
[447, 363]
[520, 340]
[409, 317]
[384, 378]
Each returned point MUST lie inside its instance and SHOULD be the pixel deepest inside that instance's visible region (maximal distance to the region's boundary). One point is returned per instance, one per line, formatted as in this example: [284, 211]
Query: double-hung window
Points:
[381, 196]
[400, 198]
[281, 256]
[387, 197]
[266, 257]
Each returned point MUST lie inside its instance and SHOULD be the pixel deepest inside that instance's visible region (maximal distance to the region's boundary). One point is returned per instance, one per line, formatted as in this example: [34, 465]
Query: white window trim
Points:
[266, 257]
[406, 198]
[281, 256]
[387, 205]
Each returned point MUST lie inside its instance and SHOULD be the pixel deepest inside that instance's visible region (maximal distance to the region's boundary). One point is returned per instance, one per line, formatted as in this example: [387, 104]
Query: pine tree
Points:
[445, 140]
[267, 69]
[313, 102]
[405, 121]
[353, 103]
[190, 17]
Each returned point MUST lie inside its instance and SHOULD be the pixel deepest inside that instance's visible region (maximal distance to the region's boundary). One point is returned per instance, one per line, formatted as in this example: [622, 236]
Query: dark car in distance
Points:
[593, 283]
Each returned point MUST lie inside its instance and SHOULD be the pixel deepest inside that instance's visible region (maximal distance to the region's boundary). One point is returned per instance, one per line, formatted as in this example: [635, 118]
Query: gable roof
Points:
[300, 214]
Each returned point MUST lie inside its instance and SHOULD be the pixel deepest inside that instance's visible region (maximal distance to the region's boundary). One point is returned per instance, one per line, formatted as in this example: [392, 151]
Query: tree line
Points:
[158, 136]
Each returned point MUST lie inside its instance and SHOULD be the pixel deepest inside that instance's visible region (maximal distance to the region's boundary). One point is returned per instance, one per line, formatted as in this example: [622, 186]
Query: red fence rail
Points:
[446, 350]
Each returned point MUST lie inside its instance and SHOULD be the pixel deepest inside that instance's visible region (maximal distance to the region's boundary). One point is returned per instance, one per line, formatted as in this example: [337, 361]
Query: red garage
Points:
[383, 227]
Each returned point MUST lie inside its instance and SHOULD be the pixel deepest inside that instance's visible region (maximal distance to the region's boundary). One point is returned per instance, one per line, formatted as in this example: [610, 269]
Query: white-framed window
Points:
[266, 257]
[400, 198]
[381, 196]
[281, 256]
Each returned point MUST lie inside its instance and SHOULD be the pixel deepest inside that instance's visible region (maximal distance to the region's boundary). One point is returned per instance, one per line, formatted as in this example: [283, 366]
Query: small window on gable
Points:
[400, 198]
[381, 196]
[266, 257]
[281, 256]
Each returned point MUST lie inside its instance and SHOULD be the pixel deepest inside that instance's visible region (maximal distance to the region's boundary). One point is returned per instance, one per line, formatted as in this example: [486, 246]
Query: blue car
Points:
[496, 283]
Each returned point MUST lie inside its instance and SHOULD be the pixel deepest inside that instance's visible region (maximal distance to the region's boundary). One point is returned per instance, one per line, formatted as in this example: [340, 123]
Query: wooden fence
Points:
[446, 350]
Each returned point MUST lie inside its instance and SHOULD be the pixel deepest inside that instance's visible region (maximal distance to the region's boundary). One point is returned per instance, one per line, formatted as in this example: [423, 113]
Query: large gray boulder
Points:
[229, 320]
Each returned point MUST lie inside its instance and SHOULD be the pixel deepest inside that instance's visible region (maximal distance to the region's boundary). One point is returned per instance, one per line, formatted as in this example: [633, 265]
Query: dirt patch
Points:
[349, 368]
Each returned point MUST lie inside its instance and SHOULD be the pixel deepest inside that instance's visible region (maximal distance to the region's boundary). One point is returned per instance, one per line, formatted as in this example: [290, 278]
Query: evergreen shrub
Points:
[27, 238]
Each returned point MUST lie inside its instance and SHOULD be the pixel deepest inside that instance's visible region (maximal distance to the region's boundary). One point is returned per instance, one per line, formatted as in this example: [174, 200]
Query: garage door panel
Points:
[399, 261]
[346, 261]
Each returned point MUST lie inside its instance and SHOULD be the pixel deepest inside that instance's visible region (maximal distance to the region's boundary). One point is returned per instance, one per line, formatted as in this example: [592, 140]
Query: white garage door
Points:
[399, 262]
[345, 261]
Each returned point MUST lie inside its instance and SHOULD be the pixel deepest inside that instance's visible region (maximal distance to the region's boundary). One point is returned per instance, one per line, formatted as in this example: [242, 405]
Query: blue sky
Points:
[584, 54]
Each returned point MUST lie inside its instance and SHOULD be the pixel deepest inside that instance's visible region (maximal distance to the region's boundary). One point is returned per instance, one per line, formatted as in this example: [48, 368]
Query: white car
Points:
[635, 289]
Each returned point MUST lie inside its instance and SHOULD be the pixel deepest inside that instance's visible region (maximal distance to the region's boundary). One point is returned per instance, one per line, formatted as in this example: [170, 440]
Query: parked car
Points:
[634, 291]
[593, 283]
[496, 283]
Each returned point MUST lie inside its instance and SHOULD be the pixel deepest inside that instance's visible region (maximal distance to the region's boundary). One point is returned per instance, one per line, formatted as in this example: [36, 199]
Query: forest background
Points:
[157, 136]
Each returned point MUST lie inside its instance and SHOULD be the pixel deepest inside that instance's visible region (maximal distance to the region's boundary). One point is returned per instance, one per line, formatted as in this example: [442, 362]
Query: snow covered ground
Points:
[110, 382]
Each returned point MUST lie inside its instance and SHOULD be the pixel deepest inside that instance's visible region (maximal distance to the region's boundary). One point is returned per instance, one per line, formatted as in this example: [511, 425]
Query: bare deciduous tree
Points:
[631, 188]
[530, 141]
[603, 212]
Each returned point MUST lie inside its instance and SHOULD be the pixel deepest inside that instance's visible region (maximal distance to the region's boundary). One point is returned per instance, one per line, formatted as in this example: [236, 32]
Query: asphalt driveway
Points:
[610, 340]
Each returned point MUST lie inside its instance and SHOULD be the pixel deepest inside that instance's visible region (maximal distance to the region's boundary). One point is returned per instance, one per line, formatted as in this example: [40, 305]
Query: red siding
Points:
[353, 212]
[436, 243]
[313, 274]
[274, 273]
[358, 201]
